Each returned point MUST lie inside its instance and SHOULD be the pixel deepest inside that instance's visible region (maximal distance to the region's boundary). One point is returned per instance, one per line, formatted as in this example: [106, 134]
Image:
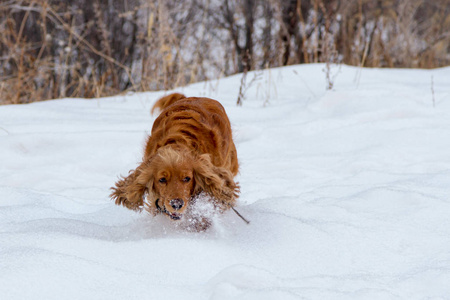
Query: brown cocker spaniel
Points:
[189, 151]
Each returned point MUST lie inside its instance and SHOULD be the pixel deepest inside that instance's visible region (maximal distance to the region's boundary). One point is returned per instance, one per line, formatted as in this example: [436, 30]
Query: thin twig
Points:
[242, 88]
[244, 219]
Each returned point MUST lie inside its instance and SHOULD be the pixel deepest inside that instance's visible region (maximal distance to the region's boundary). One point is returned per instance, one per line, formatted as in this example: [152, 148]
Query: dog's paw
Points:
[198, 224]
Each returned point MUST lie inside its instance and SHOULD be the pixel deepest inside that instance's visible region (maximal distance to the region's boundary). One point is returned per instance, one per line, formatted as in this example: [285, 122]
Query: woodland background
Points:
[91, 48]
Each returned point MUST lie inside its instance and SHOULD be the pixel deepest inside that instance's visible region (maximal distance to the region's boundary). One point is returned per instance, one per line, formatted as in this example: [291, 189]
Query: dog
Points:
[190, 151]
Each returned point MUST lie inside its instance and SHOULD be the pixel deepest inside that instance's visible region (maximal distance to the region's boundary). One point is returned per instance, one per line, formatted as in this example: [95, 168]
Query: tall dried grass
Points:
[92, 48]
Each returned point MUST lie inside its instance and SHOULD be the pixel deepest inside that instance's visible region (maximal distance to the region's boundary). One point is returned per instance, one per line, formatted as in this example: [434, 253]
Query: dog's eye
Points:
[162, 180]
[187, 179]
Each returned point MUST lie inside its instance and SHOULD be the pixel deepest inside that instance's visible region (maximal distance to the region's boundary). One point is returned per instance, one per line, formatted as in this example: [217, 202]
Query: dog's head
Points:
[173, 184]
[171, 179]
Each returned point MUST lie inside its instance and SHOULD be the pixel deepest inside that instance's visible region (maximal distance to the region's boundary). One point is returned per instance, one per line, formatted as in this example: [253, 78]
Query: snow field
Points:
[347, 192]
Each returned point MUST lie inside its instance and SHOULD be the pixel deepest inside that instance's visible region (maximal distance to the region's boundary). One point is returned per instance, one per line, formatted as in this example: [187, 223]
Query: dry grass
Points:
[87, 48]
[52, 49]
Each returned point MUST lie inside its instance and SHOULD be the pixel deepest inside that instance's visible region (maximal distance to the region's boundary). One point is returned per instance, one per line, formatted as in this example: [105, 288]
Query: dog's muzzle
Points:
[174, 215]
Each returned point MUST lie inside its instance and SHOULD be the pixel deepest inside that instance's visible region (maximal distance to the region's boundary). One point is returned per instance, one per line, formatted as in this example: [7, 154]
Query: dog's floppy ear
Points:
[129, 191]
[218, 182]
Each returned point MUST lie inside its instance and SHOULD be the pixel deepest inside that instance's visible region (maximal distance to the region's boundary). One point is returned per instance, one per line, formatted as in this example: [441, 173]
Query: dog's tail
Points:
[166, 101]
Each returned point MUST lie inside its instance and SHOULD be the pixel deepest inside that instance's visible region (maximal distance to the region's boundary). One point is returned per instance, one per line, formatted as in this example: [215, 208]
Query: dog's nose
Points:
[176, 203]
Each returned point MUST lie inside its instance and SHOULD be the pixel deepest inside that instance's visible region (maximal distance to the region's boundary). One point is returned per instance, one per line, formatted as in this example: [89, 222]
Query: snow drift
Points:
[347, 192]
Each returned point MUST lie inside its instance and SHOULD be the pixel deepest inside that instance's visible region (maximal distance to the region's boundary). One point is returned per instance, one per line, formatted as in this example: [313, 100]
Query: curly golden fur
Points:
[190, 151]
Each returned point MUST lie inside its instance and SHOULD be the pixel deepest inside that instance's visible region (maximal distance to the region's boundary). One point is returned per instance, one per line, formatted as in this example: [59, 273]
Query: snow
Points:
[347, 192]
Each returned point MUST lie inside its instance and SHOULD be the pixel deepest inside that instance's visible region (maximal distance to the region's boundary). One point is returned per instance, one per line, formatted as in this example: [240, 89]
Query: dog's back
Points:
[197, 123]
